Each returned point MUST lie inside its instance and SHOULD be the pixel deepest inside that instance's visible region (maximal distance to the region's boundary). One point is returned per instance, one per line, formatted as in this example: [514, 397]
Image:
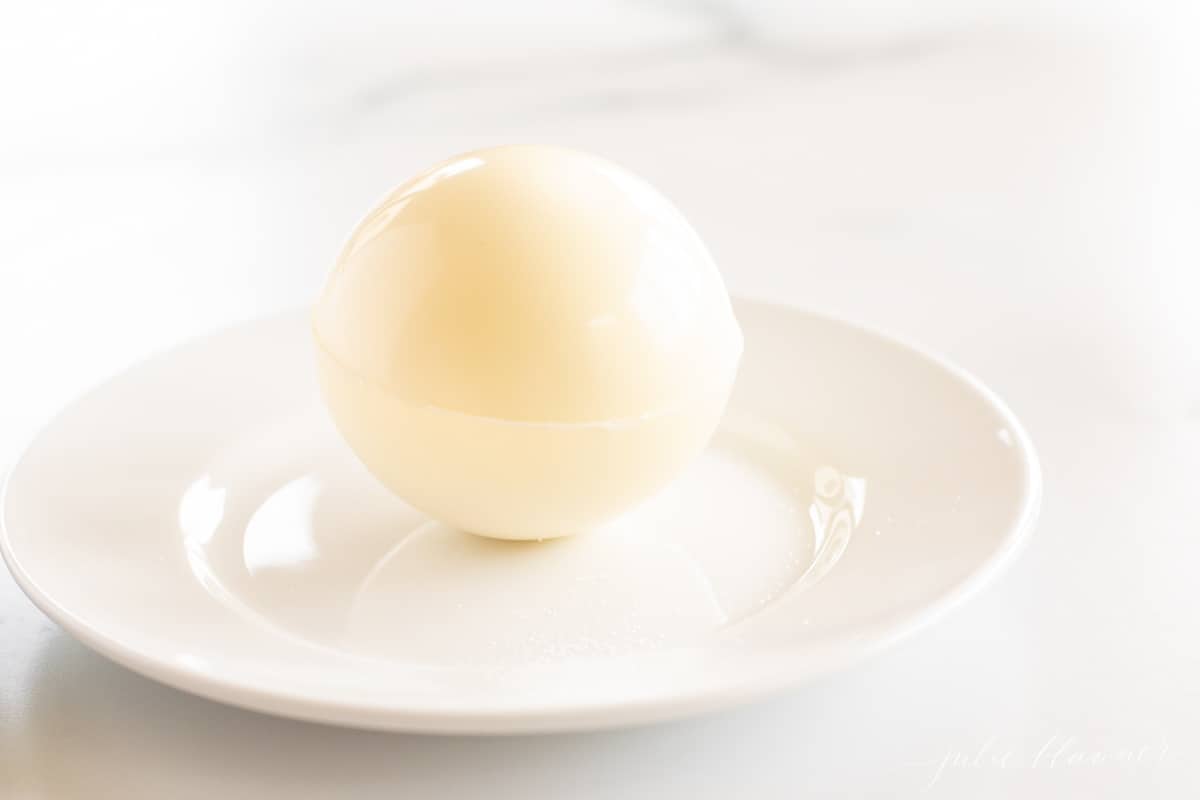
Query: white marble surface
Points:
[1018, 190]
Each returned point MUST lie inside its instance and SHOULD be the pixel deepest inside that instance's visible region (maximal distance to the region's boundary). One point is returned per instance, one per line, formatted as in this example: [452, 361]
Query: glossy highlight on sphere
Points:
[520, 323]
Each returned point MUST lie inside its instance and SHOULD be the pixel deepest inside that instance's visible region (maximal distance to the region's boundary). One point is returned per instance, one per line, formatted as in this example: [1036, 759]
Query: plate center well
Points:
[288, 528]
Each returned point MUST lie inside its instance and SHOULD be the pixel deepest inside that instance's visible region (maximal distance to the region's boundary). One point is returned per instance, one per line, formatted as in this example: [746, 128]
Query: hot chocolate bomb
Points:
[525, 341]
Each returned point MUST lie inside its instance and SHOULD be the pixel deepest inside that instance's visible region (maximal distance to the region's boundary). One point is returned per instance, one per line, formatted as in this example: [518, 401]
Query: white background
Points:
[1012, 184]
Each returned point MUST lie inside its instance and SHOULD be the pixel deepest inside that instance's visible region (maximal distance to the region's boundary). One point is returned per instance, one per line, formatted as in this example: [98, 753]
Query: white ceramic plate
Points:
[198, 520]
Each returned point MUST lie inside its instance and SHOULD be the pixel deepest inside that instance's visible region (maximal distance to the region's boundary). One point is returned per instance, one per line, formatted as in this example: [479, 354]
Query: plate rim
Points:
[791, 666]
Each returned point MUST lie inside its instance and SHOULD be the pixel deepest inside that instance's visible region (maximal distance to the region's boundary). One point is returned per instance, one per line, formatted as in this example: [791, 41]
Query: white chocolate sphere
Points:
[525, 341]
